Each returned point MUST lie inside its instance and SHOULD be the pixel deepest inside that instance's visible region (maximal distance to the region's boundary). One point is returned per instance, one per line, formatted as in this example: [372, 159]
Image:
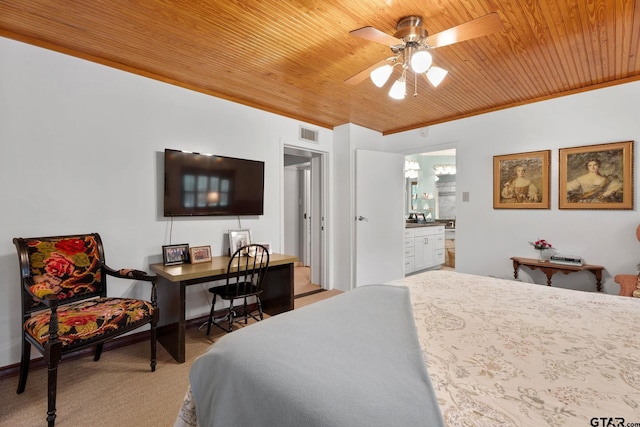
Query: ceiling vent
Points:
[308, 135]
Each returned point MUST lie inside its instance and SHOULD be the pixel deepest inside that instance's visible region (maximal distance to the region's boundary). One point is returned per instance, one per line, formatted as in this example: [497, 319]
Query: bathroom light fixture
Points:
[411, 169]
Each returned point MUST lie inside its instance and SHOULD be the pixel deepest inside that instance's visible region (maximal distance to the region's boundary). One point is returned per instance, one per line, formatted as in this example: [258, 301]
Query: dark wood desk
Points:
[276, 298]
[550, 268]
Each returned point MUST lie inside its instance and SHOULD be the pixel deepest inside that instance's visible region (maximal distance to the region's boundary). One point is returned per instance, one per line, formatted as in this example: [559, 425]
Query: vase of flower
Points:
[543, 255]
[543, 248]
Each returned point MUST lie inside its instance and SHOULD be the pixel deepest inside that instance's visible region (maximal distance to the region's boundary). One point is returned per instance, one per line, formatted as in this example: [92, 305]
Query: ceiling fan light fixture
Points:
[421, 61]
[380, 75]
[435, 75]
[399, 88]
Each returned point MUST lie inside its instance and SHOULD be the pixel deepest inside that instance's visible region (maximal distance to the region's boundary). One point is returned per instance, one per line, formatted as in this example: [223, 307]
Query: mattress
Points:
[507, 353]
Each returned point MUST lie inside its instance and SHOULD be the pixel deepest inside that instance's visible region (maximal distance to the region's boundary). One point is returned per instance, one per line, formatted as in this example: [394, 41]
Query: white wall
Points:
[82, 152]
[487, 238]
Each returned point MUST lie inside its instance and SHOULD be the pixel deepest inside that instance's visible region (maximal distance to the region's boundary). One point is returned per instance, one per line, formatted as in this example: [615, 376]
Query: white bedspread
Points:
[506, 353]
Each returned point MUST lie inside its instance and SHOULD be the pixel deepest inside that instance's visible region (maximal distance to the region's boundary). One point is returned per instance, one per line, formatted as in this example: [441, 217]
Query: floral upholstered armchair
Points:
[629, 283]
[65, 306]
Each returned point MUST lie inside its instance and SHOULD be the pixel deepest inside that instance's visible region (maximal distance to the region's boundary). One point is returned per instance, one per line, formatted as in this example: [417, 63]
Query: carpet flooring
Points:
[118, 390]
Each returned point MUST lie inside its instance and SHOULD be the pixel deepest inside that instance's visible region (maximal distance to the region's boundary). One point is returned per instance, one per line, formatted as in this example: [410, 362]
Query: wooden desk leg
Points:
[277, 296]
[172, 323]
[549, 274]
[516, 265]
[598, 274]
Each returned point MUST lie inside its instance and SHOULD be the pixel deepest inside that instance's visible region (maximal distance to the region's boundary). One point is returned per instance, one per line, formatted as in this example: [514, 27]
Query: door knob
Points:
[361, 218]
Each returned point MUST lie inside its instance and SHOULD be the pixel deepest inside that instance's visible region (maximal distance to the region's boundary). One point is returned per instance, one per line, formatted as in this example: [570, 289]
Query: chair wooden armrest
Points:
[50, 300]
[129, 273]
[627, 282]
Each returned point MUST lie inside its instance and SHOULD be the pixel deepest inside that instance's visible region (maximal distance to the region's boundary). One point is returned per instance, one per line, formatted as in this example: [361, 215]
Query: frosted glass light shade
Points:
[435, 75]
[399, 89]
[380, 75]
[421, 61]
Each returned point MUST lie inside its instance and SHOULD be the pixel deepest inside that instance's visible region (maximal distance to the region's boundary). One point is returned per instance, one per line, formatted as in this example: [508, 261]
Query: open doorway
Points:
[431, 189]
[304, 217]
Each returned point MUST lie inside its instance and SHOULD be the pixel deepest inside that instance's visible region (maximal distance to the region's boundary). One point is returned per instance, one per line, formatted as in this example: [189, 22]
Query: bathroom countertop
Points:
[425, 224]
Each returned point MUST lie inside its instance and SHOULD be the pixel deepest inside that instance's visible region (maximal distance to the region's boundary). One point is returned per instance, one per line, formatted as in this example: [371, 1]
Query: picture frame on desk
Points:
[200, 254]
[175, 254]
[238, 238]
[267, 245]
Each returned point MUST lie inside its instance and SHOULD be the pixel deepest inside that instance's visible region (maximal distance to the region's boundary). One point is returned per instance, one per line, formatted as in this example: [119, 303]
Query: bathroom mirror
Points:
[412, 194]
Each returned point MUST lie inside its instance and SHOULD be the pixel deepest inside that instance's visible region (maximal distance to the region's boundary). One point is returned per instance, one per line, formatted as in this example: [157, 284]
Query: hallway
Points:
[302, 281]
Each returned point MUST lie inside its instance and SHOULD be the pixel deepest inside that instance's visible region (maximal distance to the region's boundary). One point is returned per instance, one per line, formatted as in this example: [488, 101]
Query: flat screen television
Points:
[204, 185]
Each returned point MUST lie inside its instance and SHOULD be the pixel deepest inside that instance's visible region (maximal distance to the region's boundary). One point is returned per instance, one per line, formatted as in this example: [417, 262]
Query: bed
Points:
[493, 352]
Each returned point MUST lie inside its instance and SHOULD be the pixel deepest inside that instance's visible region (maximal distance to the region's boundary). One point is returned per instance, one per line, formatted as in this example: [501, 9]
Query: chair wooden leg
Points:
[246, 310]
[153, 345]
[52, 387]
[24, 365]
[96, 357]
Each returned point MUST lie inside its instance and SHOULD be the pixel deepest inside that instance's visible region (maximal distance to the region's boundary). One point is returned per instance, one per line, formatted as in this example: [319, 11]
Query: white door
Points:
[306, 202]
[317, 219]
[379, 217]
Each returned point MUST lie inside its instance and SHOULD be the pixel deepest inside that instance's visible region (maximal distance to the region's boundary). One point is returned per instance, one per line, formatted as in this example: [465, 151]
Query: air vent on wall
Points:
[308, 135]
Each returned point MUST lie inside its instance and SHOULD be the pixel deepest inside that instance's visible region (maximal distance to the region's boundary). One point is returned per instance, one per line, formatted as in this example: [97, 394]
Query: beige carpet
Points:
[119, 390]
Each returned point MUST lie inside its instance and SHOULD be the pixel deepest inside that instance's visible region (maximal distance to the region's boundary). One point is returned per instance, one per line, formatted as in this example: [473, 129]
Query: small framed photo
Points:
[521, 181]
[238, 238]
[175, 254]
[200, 254]
[596, 176]
[268, 246]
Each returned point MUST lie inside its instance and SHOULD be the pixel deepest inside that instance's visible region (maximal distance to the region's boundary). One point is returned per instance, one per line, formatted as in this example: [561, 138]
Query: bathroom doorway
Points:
[431, 190]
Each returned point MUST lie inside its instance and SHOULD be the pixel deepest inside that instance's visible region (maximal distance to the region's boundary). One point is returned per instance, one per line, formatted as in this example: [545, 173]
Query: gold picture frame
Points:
[200, 254]
[521, 180]
[596, 176]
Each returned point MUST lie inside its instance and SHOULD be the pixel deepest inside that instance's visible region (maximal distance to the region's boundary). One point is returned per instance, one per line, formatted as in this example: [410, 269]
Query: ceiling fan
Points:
[411, 44]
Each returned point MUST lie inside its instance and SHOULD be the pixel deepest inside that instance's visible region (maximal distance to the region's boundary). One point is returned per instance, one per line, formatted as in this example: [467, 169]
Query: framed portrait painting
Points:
[521, 181]
[238, 238]
[596, 176]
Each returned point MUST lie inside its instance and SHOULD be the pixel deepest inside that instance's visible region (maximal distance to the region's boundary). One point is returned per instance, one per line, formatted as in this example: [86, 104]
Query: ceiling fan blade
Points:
[478, 27]
[362, 75]
[375, 35]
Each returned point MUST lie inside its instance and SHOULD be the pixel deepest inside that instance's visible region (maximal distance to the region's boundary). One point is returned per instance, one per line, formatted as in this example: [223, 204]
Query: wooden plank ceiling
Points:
[292, 57]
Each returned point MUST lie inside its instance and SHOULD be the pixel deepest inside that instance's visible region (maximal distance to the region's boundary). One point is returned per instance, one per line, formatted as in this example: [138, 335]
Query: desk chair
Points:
[65, 306]
[246, 272]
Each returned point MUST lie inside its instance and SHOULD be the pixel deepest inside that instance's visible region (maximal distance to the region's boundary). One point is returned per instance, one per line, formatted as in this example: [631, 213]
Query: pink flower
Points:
[58, 266]
[541, 244]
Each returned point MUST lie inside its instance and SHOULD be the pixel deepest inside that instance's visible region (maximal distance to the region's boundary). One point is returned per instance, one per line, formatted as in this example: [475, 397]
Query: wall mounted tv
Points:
[205, 185]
